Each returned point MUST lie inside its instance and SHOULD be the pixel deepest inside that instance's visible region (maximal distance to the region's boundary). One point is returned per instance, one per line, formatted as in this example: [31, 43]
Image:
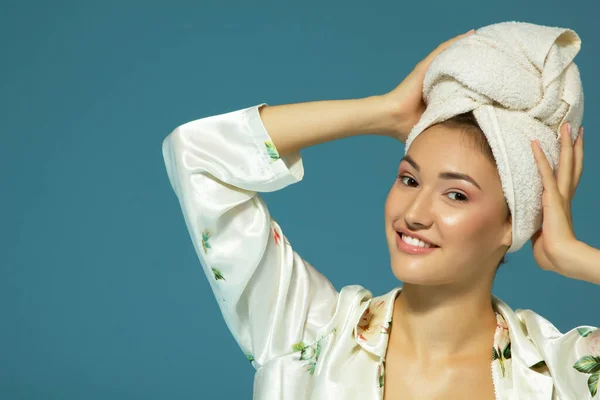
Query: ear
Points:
[507, 236]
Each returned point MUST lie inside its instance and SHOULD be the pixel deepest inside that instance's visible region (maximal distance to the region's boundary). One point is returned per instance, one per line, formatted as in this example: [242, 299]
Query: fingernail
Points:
[471, 31]
[570, 128]
[581, 129]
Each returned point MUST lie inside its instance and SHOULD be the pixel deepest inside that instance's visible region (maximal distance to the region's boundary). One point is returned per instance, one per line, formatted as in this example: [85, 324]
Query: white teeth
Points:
[414, 241]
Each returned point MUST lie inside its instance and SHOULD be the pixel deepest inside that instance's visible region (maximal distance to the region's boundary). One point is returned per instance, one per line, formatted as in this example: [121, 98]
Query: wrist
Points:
[388, 119]
[565, 259]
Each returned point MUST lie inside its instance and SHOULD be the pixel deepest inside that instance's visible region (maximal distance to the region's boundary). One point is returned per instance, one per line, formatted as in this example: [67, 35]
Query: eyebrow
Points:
[443, 175]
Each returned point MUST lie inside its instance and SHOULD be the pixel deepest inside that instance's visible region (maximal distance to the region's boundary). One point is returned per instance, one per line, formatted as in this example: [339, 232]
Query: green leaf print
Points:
[310, 353]
[588, 364]
[585, 331]
[501, 356]
[318, 352]
[205, 237]
[593, 384]
[382, 373]
[249, 357]
[218, 275]
[506, 352]
[272, 151]
[298, 346]
[310, 367]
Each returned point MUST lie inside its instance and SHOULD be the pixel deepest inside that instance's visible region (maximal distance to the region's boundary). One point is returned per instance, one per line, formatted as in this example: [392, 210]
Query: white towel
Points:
[521, 83]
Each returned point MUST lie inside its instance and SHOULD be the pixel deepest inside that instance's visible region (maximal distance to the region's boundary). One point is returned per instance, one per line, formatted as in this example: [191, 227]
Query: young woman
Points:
[447, 233]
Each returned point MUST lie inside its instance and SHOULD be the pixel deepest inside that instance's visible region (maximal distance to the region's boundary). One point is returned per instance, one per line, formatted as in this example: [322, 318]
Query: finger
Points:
[457, 37]
[565, 165]
[548, 179]
[577, 161]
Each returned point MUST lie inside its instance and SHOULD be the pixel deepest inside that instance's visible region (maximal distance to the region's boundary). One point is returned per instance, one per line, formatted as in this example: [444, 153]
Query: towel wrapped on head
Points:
[521, 83]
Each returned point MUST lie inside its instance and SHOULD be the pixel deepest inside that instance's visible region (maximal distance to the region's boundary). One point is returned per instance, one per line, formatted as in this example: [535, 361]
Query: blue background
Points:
[101, 292]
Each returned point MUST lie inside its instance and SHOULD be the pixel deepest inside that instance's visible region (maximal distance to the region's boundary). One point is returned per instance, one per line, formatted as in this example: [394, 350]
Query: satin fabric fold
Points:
[305, 339]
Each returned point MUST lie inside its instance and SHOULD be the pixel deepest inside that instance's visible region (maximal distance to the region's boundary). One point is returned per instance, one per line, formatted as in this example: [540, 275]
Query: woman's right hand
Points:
[406, 100]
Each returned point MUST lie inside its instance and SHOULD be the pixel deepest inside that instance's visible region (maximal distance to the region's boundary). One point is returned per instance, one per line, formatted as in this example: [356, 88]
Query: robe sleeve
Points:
[270, 298]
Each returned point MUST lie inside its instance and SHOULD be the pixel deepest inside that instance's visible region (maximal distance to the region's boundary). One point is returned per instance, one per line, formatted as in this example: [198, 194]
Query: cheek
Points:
[388, 202]
[393, 202]
[473, 224]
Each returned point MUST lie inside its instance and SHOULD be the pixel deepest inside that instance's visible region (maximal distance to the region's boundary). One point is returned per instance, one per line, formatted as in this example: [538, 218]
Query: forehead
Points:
[442, 147]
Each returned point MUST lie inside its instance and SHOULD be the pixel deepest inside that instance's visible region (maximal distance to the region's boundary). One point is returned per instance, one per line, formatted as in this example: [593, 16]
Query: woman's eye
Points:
[459, 196]
[407, 180]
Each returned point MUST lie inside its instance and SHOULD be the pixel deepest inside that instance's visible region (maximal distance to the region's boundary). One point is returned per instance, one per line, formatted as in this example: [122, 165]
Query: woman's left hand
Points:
[556, 238]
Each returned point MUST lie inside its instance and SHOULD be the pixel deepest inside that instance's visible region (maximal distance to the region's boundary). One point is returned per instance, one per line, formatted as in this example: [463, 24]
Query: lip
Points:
[411, 234]
[410, 249]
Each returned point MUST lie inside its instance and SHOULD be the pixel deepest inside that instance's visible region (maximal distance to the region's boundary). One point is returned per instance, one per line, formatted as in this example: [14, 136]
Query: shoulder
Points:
[572, 358]
[541, 331]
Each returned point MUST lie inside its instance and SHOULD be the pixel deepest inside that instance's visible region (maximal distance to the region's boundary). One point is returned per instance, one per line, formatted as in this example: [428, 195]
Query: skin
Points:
[450, 287]
[469, 223]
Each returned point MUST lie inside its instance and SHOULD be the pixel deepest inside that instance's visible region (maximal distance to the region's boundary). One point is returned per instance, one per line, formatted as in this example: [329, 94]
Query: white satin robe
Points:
[306, 340]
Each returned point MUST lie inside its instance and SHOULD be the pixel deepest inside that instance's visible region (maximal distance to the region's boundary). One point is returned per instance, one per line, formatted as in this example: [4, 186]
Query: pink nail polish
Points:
[570, 128]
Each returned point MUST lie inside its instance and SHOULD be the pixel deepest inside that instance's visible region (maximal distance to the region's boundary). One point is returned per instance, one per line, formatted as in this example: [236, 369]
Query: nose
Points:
[419, 214]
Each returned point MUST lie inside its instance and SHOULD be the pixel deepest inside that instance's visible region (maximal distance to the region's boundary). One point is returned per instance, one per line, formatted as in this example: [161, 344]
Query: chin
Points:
[411, 269]
[418, 278]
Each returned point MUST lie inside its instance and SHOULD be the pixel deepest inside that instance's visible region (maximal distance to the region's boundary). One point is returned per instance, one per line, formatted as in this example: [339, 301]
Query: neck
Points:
[440, 322]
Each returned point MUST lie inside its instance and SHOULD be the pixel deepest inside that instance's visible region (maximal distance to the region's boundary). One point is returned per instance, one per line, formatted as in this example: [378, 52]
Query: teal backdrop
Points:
[101, 293]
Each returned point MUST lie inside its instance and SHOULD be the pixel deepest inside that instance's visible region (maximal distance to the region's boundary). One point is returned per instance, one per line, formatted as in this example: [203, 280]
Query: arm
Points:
[296, 126]
[582, 261]
[269, 296]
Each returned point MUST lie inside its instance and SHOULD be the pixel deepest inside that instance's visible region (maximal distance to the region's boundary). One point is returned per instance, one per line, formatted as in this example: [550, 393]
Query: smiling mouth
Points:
[412, 241]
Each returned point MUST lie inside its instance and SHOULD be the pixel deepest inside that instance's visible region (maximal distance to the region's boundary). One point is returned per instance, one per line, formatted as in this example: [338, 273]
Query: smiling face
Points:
[449, 193]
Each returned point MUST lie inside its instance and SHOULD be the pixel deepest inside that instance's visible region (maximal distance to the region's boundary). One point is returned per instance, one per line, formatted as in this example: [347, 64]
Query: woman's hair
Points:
[473, 131]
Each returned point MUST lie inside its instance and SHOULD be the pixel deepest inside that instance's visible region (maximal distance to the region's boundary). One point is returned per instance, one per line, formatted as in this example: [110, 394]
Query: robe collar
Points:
[371, 332]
